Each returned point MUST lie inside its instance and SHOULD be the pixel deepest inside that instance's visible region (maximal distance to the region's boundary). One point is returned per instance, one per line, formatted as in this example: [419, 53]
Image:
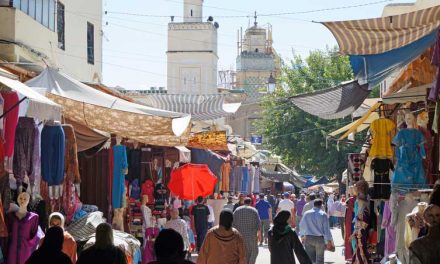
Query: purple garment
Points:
[300, 206]
[390, 230]
[23, 237]
[151, 234]
[24, 149]
[433, 94]
[36, 160]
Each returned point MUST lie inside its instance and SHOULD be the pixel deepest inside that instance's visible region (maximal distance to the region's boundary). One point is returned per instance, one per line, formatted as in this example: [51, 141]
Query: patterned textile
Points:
[3, 227]
[71, 166]
[213, 140]
[24, 149]
[378, 35]
[247, 222]
[128, 243]
[179, 225]
[71, 202]
[85, 227]
[361, 255]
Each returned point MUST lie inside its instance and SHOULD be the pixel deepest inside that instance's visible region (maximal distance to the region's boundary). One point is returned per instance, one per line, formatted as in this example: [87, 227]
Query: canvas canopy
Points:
[360, 126]
[413, 95]
[34, 105]
[105, 112]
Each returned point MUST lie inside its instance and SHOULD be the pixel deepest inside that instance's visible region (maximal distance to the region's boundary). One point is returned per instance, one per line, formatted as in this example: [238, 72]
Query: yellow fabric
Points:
[361, 127]
[360, 121]
[382, 133]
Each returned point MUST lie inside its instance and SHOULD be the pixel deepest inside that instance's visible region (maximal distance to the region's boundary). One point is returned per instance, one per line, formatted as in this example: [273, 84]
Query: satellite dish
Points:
[216, 25]
[210, 19]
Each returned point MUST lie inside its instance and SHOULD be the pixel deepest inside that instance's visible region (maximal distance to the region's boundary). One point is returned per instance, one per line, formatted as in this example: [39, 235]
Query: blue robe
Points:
[119, 166]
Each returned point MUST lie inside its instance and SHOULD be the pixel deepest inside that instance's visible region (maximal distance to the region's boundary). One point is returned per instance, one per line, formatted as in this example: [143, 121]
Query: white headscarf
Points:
[59, 215]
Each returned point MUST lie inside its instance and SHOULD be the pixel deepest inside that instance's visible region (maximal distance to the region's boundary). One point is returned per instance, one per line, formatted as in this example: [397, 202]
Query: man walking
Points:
[287, 205]
[299, 210]
[265, 212]
[199, 220]
[309, 204]
[230, 204]
[247, 222]
[315, 233]
[272, 201]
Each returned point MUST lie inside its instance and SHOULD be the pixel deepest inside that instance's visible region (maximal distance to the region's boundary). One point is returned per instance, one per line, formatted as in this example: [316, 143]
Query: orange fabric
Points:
[3, 227]
[382, 133]
[226, 172]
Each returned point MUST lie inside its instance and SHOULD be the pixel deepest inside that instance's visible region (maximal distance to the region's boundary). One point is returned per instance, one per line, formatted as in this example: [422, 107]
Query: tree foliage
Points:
[300, 138]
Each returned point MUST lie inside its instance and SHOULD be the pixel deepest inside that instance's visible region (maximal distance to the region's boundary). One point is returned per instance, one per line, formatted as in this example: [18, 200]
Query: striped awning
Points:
[378, 35]
[333, 103]
[201, 107]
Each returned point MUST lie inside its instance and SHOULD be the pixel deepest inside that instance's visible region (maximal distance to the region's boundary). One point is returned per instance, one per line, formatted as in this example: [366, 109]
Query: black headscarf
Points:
[53, 240]
[281, 227]
[226, 218]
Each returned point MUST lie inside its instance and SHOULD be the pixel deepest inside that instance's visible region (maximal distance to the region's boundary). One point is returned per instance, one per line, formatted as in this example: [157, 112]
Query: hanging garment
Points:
[119, 167]
[160, 198]
[10, 120]
[257, 180]
[134, 164]
[361, 229]
[150, 236]
[71, 202]
[381, 186]
[232, 178]
[52, 162]
[3, 227]
[2, 105]
[23, 237]
[382, 132]
[135, 190]
[35, 176]
[251, 175]
[427, 162]
[71, 166]
[245, 179]
[148, 190]
[349, 215]
[226, 172]
[404, 208]
[356, 162]
[390, 231]
[238, 176]
[24, 148]
[410, 152]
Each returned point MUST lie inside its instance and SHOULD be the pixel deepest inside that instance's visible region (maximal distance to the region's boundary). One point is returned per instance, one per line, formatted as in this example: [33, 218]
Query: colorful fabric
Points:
[119, 167]
[244, 180]
[71, 166]
[24, 149]
[361, 255]
[226, 172]
[382, 132]
[427, 162]
[148, 253]
[52, 162]
[10, 121]
[348, 250]
[381, 186]
[23, 237]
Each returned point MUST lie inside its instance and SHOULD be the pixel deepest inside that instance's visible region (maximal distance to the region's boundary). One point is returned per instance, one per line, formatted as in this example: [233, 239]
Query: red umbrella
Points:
[192, 180]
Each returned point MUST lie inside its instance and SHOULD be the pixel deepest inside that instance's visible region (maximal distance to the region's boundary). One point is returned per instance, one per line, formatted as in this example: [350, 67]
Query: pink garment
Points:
[71, 202]
[23, 237]
[390, 231]
[10, 121]
[148, 252]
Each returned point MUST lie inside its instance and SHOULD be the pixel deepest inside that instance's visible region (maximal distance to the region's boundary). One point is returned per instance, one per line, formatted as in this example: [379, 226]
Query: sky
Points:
[134, 46]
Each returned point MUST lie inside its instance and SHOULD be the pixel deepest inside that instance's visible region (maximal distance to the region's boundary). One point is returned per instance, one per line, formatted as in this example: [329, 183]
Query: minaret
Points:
[193, 11]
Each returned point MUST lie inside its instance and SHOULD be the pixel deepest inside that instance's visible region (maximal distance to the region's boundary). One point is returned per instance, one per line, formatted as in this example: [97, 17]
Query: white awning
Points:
[412, 95]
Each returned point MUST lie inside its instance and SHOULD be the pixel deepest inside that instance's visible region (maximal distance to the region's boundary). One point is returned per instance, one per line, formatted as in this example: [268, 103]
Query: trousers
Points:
[264, 227]
[201, 234]
[315, 248]
[24, 149]
[52, 154]
[71, 167]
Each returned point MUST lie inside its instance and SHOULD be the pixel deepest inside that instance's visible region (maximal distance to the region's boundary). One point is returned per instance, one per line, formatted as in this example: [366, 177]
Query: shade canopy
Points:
[356, 127]
[200, 107]
[191, 181]
[332, 103]
[35, 105]
[413, 95]
[379, 35]
[98, 110]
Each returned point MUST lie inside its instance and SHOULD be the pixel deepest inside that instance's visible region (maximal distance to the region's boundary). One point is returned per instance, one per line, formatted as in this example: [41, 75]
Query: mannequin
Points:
[422, 123]
[410, 153]
[404, 208]
[414, 223]
[23, 232]
[146, 215]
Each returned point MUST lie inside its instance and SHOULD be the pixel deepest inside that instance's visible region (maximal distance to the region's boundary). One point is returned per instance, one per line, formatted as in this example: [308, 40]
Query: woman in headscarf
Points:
[283, 240]
[50, 251]
[223, 243]
[103, 251]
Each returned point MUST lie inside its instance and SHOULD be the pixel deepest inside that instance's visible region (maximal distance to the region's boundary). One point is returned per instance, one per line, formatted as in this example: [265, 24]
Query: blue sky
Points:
[135, 46]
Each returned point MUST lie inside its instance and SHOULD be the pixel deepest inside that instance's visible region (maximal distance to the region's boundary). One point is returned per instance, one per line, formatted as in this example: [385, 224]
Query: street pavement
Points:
[330, 257]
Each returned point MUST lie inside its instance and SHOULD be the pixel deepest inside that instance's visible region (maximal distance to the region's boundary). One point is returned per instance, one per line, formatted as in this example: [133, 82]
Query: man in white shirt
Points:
[211, 217]
[287, 205]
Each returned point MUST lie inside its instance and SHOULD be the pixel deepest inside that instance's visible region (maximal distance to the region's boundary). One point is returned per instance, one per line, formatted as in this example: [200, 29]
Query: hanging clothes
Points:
[119, 167]
[238, 176]
[390, 231]
[134, 164]
[71, 202]
[349, 216]
[361, 229]
[404, 208]
[135, 192]
[410, 153]
[52, 162]
[3, 227]
[244, 180]
[24, 149]
[36, 158]
[71, 167]
[257, 180]
[381, 186]
[148, 190]
[148, 252]
[23, 237]
[10, 120]
[427, 162]
[226, 172]
[251, 174]
[382, 132]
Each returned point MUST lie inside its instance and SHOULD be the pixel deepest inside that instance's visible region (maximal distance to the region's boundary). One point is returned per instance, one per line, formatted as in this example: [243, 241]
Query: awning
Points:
[213, 140]
[379, 35]
[413, 95]
[333, 103]
[105, 112]
[35, 105]
[201, 107]
[356, 127]
[184, 154]
[360, 121]
[365, 106]
[281, 173]
[87, 138]
[313, 182]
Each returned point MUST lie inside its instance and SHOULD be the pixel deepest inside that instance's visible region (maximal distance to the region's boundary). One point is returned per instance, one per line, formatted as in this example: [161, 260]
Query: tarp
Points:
[373, 69]
[201, 107]
[355, 126]
[213, 140]
[413, 95]
[281, 173]
[36, 105]
[379, 35]
[332, 103]
[365, 106]
[87, 138]
[312, 182]
[105, 112]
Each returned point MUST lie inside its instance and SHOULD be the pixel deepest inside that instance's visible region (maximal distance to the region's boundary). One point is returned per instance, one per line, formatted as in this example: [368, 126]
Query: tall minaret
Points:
[193, 11]
[192, 52]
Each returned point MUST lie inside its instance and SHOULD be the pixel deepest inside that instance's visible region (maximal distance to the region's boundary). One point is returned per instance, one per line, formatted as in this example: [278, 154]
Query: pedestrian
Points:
[272, 201]
[211, 217]
[315, 233]
[278, 200]
[287, 205]
[50, 251]
[265, 213]
[339, 213]
[223, 243]
[299, 210]
[229, 204]
[283, 240]
[103, 251]
[240, 202]
[247, 222]
[199, 219]
[309, 204]
[169, 248]
[330, 203]
[179, 225]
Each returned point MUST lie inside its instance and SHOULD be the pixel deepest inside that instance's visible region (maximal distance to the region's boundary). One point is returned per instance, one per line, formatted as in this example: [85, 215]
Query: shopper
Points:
[211, 218]
[247, 222]
[50, 251]
[265, 213]
[240, 202]
[310, 202]
[230, 204]
[330, 203]
[199, 219]
[315, 233]
[103, 251]
[272, 201]
[299, 210]
[179, 225]
[169, 248]
[223, 244]
[283, 240]
[287, 205]
[339, 209]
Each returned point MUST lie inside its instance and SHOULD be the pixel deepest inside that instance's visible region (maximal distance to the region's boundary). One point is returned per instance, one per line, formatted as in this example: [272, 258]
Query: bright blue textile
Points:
[119, 166]
[315, 223]
[262, 207]
[410, 153]
[245, 180]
